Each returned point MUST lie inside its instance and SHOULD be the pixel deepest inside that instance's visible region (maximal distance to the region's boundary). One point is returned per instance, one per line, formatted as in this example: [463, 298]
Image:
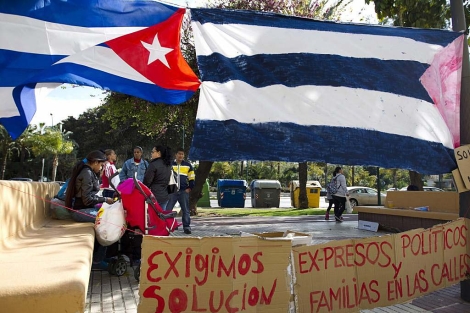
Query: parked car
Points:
[323, 192]
[426, 188]
[21, 179]
[359, 195]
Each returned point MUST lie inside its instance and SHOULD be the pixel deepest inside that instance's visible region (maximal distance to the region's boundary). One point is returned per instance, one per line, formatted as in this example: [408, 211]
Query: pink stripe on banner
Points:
[442, 82]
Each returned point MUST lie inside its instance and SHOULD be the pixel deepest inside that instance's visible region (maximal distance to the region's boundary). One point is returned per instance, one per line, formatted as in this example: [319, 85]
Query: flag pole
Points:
[458, 24]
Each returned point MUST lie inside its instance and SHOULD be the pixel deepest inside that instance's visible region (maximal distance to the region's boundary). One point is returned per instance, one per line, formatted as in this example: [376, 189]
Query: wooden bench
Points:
[44, 264]
[443, 207]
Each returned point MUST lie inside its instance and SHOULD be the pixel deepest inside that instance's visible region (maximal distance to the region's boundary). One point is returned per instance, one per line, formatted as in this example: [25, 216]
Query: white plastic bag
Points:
[110, 223]
[173, 184]
[349, 208]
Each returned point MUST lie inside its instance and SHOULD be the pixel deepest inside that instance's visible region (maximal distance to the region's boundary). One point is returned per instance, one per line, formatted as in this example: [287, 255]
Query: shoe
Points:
[327, 216]
[341, 218]
[100, 266]
[338, 219]
[187, 231]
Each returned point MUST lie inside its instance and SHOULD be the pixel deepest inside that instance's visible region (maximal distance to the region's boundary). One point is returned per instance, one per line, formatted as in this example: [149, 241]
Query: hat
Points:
[96, 155]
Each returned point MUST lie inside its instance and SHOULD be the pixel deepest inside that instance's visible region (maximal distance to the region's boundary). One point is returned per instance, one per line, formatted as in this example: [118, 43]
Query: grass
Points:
[206, 212]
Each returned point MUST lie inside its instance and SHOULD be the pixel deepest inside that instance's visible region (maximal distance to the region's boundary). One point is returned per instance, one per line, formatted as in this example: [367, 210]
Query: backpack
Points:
[61, 194]
[332, 187]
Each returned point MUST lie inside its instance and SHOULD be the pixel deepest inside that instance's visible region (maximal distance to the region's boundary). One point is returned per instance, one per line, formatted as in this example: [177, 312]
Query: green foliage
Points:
[413, 13]
[220, 170]
[49, 142]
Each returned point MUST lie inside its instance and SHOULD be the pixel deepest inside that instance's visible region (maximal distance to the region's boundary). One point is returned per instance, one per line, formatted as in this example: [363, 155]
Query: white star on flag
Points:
[157, 52]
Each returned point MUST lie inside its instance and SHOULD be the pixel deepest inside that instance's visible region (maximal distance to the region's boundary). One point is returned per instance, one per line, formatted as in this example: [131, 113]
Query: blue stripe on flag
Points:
[300, 69]
[92, 13]
[296, 143]
[16, 67]
[68, 73]
[222, 16]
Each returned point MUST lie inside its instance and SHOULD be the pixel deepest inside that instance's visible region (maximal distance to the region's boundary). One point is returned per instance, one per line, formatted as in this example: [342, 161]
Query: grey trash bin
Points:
[265, 193]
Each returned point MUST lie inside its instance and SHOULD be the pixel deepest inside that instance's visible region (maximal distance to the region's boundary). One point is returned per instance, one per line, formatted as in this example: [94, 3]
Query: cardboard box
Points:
[295, 237]
[366, 225]
[459, 181]
[437, 201]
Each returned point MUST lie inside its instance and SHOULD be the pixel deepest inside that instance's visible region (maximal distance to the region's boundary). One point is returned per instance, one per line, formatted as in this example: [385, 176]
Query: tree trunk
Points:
[415, 179]
[303, 200]
[4, 165]
[352, 176]
[22, 157]
[55, 163]
[394, 171]
[202, 173]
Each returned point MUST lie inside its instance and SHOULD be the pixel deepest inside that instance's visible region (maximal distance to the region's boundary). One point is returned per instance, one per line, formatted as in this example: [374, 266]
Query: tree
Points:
[6, 144]
[51, 141]
[417, 13]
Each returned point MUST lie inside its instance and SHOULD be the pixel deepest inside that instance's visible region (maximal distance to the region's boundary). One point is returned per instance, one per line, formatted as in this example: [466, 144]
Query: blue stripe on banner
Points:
[17, 124]
[223, 16]
[215, 140]
[92, 13]
[17, 67]
[62, 73]
[298, 69]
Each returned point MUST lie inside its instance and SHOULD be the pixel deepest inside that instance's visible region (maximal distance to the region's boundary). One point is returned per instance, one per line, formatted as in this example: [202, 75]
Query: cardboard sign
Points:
[462, 155]
[352, 275]
[215, 274]
[459, 181]
[252, 274]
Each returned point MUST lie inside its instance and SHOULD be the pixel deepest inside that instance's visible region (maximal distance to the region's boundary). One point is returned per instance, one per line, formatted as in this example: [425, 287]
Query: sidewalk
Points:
[111, 294]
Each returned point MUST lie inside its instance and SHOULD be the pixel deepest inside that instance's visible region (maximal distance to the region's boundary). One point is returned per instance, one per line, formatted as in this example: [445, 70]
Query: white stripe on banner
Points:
[24, 34]
[8, 107]
[323, 105]
[233, 40]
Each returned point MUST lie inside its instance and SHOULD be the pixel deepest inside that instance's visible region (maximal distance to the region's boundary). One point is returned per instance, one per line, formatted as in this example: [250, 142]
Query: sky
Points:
[69, 100]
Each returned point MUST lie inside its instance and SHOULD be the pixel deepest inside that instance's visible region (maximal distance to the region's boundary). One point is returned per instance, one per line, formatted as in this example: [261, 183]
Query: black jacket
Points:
[157, 178]
[87, 185]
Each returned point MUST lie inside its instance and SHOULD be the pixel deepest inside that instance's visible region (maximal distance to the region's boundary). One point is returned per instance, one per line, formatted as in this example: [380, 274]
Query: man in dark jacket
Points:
[185, 174]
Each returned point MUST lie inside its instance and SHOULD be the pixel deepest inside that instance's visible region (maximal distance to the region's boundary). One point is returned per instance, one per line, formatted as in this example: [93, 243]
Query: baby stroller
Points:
[144, 216]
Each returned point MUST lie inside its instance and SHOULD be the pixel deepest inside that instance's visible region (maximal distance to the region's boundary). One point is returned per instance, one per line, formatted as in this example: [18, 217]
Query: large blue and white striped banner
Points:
[291, 89]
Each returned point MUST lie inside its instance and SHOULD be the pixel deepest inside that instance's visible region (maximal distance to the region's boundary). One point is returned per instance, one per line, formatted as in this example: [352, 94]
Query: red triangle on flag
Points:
[133, 49]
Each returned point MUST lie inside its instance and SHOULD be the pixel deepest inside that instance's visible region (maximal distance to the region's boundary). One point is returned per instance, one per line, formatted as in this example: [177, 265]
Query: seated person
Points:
[412, 188]
[82, 196]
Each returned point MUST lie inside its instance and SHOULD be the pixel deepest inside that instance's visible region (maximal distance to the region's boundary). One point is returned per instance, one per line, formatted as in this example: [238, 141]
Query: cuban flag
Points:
[291, 89]
[132, 47]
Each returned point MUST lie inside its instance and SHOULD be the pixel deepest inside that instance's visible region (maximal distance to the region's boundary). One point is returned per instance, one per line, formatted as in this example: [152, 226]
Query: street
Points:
[284, 203]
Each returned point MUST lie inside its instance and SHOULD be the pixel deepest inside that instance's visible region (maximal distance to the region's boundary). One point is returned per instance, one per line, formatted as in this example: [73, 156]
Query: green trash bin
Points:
[205, 200]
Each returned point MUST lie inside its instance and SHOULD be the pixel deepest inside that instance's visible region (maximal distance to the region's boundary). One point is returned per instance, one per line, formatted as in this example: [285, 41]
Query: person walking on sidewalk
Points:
[185, 180]
[340, 196]
[331, 201]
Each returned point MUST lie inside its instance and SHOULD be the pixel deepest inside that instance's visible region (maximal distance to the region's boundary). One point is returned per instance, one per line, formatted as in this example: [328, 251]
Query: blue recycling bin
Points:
[231, 193]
